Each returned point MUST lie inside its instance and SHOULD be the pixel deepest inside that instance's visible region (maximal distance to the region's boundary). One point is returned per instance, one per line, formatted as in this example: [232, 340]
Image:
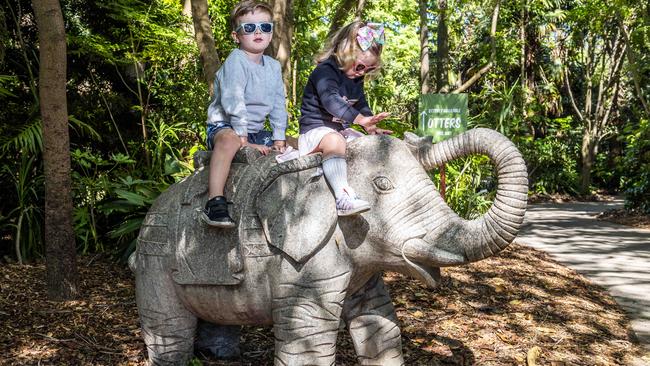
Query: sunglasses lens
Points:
[248, 27]
[266, 27]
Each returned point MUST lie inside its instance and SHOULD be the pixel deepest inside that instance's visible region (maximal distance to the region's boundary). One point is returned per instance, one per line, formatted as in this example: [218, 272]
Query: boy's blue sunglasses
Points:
[248, 28]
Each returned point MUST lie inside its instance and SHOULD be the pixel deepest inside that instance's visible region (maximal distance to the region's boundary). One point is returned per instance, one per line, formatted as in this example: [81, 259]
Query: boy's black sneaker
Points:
[216, 214]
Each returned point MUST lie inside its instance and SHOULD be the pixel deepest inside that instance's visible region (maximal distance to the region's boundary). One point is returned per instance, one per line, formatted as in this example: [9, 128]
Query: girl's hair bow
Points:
[371, 32]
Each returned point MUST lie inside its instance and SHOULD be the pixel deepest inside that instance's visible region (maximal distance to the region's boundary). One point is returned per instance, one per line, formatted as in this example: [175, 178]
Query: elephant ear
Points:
[298, 213]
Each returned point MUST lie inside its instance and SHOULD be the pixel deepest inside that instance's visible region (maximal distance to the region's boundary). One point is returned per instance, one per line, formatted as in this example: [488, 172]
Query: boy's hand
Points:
[279, 145]
[261, 148]
[369, 123]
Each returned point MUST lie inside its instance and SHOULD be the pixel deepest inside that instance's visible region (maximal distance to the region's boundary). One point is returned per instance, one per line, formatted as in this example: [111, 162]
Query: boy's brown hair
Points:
[245, 7]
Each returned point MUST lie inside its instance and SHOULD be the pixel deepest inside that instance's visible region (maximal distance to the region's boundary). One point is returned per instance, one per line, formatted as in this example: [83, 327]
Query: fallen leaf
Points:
[533, 355]
[418, 314]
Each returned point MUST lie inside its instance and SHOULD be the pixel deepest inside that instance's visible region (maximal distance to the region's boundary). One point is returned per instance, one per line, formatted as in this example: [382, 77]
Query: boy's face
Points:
[258, 40]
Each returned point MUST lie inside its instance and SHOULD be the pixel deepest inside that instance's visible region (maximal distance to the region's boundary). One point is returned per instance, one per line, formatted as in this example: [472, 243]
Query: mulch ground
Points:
[518, 308]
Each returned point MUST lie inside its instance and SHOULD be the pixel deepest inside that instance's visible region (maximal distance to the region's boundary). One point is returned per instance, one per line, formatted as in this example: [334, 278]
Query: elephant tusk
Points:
[429, 275]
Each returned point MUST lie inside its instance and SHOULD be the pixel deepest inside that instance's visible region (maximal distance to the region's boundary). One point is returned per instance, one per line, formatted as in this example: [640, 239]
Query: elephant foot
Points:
[218, 341]
[168, 328]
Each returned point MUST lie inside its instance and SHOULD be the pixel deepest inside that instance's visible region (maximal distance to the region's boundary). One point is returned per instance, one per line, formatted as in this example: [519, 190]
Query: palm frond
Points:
[29, 137]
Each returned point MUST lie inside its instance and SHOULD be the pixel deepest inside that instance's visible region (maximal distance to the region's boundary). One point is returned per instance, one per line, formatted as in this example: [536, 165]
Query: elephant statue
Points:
[293, 264]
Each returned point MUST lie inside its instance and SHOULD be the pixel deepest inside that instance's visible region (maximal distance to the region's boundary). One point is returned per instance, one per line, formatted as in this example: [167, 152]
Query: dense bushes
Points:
[636, 179]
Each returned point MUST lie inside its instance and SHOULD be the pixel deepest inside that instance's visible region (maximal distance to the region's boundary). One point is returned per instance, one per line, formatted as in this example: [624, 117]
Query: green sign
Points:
[442, 115]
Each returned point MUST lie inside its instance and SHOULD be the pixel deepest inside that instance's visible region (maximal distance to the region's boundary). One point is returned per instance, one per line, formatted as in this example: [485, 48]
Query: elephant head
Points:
[410, 222]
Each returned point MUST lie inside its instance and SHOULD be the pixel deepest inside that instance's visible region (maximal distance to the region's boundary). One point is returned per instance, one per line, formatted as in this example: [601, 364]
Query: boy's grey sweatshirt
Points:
[246, 92]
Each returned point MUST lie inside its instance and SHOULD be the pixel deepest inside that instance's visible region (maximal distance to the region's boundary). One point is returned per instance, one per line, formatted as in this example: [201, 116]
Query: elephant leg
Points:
[372, 322]
[306, 320]
[219, 341]
[167, 327]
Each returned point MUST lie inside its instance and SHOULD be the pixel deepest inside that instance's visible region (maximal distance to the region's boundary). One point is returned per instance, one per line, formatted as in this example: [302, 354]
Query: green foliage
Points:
[470, 186]
[552, 165]
[133, 199]
[636, 179]
[25, 220]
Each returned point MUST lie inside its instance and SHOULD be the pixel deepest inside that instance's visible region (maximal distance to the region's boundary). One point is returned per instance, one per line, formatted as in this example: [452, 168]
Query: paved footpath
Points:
[614, 256]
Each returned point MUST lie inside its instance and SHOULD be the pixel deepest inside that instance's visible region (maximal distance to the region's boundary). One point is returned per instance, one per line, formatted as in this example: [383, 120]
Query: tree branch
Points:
[493, 53]
[573, 100]
[631, 59]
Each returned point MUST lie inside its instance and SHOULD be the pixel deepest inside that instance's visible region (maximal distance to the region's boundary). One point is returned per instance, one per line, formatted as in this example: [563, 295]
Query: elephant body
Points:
[294, 264]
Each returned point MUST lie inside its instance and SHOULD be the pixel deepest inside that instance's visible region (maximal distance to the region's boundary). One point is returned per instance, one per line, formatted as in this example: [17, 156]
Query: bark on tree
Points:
[340, 15]
[424, 48]
[205, 41]
[282, 35]
[493, 54]
[187, 12]
[601, 69]
[62, 277]
[634, 69]
[442, 49]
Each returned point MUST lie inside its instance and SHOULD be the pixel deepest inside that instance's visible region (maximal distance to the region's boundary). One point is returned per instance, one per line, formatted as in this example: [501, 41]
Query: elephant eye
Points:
[383, 183]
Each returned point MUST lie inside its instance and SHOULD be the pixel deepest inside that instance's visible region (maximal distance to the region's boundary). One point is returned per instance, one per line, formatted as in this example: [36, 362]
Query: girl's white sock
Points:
[335, 169]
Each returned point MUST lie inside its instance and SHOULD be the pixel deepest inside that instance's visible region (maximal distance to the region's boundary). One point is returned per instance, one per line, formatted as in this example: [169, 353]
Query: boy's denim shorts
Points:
[260, 138]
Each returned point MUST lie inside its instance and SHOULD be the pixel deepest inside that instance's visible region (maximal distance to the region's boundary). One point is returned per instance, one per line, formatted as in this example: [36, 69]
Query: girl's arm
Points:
[327, 86]
[363, 107]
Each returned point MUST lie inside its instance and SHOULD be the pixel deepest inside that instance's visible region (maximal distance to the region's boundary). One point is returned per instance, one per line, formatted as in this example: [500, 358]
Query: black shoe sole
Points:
[219, 224]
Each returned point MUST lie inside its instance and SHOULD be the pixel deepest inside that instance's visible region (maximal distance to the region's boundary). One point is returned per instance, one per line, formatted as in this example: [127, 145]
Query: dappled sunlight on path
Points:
[614, 256]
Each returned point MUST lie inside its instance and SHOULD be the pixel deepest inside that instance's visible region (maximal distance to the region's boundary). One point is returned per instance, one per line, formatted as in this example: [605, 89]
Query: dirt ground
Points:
[518, 308]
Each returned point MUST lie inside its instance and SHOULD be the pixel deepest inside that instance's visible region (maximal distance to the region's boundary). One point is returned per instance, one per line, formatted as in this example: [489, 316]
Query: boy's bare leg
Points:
[226, 144]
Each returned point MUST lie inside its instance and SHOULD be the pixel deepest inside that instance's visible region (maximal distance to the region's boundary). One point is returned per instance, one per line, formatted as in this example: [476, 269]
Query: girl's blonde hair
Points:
[344, 47]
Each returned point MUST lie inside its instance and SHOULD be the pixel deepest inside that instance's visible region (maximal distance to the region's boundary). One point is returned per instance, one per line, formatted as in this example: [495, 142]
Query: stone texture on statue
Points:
[292, 263]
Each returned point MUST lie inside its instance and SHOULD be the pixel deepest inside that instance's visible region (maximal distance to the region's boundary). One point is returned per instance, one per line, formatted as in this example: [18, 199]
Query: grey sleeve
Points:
[232, 86]
[278, 116]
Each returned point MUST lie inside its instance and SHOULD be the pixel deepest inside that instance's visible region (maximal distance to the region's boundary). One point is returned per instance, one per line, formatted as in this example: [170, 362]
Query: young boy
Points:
[248, 87]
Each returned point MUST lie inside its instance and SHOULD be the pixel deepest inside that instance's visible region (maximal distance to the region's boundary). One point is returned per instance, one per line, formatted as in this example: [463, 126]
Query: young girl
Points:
[334, 99]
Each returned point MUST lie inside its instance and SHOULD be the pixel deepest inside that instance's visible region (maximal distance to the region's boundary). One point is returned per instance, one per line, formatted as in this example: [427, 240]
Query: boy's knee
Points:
[227, 141]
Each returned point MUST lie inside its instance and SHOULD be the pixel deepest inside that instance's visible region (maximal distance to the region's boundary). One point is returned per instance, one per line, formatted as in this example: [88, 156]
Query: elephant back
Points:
[201, 254]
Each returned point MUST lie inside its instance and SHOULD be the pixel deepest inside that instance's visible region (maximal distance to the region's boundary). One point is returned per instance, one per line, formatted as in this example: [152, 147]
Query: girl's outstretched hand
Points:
[369, 123]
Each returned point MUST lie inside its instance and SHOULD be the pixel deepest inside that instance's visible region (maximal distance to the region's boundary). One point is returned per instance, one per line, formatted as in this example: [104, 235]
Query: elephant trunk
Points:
[458, 241]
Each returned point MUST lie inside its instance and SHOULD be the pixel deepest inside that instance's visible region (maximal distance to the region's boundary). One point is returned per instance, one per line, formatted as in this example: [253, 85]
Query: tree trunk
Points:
[339, 16]
[187, 13]
[493, 54]
[634, 69]
[442, 49]
[205, 41]
[359, 13]
[62, 277]
[588, 152]
[282, 36]
[424, 48]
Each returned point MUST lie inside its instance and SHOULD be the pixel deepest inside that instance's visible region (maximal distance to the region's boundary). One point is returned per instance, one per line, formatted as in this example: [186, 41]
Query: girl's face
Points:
[365, 62]
[254, 32]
